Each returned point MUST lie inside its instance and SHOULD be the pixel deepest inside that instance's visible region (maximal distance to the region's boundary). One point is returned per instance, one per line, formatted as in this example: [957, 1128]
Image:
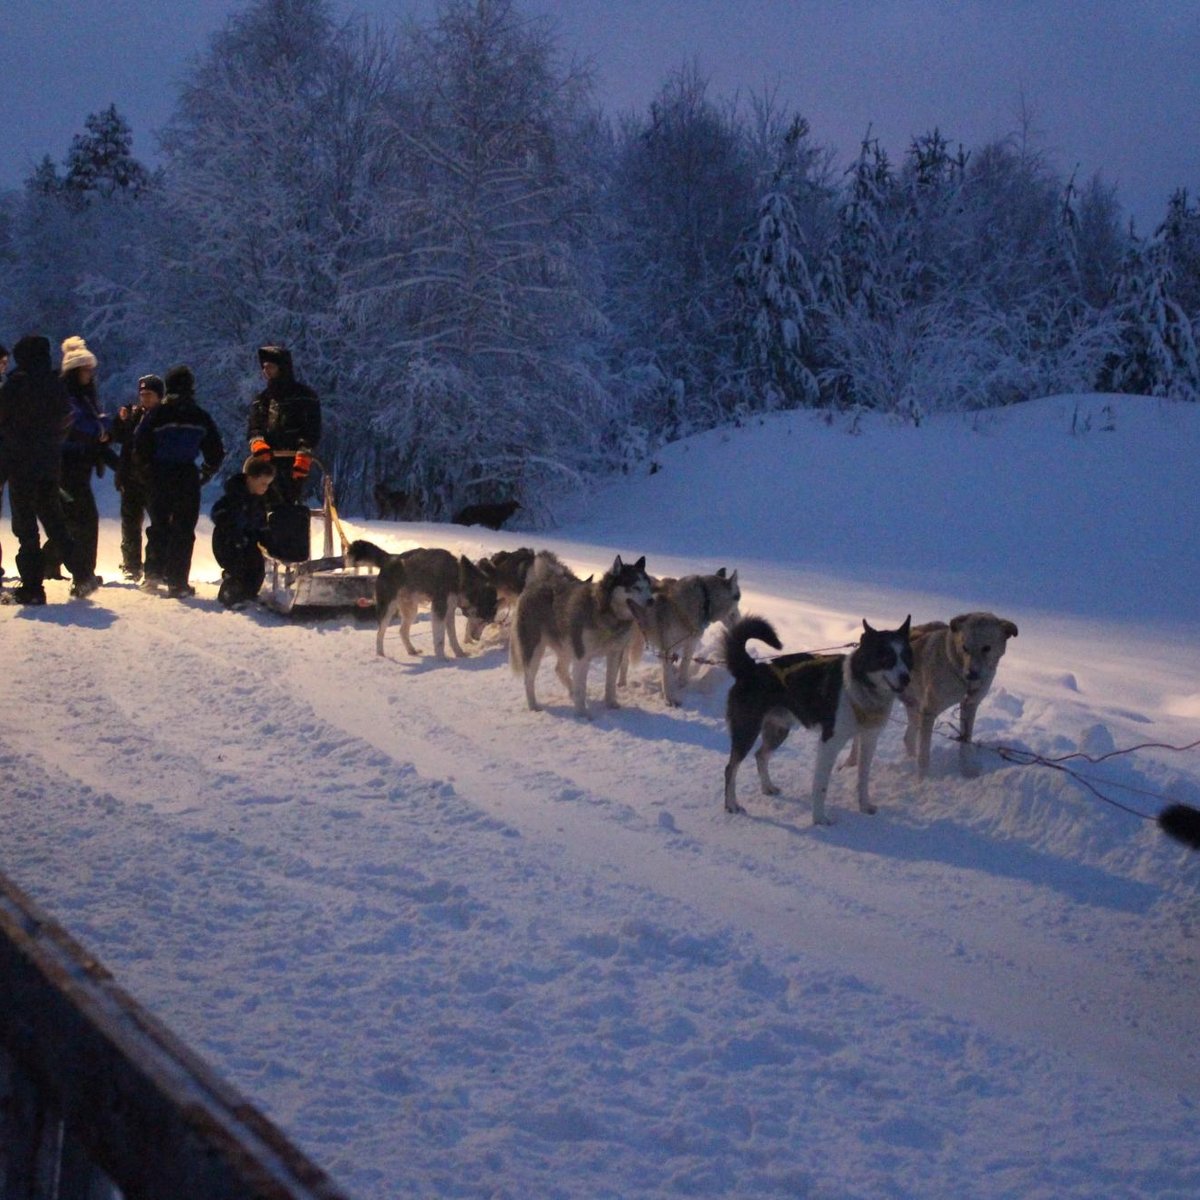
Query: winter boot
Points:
[85, 587]
[29, 593]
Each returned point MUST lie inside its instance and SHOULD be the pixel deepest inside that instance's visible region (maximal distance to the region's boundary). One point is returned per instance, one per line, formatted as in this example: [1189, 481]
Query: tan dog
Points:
[673, 625]
[952, 664]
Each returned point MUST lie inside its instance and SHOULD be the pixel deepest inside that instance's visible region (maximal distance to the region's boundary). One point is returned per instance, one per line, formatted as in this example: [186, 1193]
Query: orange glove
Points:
[260, 449]
[302, 465]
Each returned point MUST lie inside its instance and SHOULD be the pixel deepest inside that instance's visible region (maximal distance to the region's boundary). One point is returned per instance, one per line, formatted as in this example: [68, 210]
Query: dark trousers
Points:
[174, 510]
[35, 501]
[82, 518]
[241, 576]
[135, 503]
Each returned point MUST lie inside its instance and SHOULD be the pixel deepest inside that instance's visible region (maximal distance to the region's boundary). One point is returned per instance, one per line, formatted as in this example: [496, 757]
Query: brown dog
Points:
[952, 664]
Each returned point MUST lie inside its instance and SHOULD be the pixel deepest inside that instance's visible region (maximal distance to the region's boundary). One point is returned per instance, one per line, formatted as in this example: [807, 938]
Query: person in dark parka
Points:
[166, 445]
[131, 479]
[284, 424]
[34, 417]
[239, 527]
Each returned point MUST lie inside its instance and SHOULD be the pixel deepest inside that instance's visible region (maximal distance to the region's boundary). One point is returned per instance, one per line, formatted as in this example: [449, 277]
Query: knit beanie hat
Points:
[76, 354]
[152, 383]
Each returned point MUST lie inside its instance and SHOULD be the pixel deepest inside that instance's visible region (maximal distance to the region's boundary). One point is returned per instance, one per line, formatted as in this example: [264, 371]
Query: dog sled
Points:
[298, 585]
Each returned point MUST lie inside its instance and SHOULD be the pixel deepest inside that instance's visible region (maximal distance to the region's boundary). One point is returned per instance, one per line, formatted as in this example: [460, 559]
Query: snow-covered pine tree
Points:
[778, 295]
[73, 241]
[1158, 355]
[100, 162]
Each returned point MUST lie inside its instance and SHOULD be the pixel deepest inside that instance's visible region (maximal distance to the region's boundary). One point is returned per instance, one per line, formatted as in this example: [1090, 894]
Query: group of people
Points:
[55, 437]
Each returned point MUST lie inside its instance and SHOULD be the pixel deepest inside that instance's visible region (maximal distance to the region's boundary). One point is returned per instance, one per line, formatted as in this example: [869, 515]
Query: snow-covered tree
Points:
[778, 295]
[683, 192]
[279, 140]
[1158, 353]
[100, 162]
[490, 387]
[74, 239]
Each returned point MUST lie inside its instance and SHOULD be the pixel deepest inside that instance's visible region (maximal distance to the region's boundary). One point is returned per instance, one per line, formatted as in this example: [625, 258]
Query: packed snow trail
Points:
[461, 949]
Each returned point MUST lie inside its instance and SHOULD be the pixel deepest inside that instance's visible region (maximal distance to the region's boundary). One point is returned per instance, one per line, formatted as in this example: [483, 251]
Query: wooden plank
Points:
[143, 1107]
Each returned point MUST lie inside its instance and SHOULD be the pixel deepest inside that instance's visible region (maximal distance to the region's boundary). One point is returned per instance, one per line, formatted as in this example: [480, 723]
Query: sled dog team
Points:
[847, 698]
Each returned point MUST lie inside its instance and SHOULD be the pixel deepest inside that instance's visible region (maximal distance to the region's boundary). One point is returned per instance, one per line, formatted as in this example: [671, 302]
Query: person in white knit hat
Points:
[85, 450]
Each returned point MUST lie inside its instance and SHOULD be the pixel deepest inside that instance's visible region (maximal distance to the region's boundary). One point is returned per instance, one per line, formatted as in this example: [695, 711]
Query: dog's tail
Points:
[1182, 822]
[361, 553]
[737, 659]
[516, 660]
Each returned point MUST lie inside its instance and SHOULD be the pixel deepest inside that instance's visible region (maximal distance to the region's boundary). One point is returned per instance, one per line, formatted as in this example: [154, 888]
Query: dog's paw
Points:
[769, 789]
[732, 806]
[870, 809]
[822, 819]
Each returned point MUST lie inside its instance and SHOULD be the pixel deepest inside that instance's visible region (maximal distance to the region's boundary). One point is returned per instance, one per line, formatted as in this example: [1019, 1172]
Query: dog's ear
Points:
[866, 626]
[1010, 630]
[721, 573]
[733, 577]
[617, 564]
[907, 625]
[640, 565]
[956, 623]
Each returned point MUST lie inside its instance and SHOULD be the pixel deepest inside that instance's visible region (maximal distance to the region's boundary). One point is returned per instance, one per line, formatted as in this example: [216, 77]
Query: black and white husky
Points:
[434, 575]
[579, 619]
[843, 695]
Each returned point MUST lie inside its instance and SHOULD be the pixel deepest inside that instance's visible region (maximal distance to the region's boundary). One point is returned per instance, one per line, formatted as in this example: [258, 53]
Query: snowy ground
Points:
[456, 948]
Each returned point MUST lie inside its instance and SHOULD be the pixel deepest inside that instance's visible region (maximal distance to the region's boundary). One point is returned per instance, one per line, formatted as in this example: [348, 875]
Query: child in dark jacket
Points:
[131, 478]
[239, 525]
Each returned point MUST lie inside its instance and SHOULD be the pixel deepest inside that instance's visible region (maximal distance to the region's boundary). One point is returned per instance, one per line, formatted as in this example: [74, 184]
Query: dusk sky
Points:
[1112, 85]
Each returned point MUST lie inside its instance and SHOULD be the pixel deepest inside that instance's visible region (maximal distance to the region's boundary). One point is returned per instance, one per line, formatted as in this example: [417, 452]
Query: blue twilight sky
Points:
[1112, 85]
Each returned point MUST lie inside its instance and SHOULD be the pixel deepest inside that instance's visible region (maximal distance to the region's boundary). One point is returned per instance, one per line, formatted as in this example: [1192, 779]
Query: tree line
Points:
[498, 290]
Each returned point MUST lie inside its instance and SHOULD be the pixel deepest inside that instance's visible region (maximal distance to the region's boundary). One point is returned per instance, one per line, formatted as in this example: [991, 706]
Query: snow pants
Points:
[174, 510]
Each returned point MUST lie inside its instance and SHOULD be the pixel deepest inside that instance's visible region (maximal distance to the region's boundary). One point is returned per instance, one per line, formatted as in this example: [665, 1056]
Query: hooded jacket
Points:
[239, 522]
[178, 431]
[286, 414]
[35, 413]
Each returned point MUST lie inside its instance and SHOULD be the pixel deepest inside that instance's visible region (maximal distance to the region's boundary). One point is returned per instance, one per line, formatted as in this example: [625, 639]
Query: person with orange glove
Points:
[284, 424]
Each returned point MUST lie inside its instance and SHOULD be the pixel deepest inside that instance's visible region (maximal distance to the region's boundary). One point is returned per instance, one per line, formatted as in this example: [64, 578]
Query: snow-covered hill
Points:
[460, 949]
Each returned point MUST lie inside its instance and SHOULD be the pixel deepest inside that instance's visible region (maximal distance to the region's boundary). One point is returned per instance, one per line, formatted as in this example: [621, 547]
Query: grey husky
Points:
[844, 695]
[681, 610]
[579, 620]
[435, 575]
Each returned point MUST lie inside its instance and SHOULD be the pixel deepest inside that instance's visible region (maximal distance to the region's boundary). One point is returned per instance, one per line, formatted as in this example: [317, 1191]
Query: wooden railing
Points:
[99, 1100]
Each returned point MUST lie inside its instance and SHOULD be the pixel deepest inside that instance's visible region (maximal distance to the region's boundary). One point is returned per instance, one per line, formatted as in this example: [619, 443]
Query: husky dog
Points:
[434, 575]
[510, 571]
[491, 516]
[845, 695]
[953, 663]
[580, 619]
[681, 610]
[393, 504]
